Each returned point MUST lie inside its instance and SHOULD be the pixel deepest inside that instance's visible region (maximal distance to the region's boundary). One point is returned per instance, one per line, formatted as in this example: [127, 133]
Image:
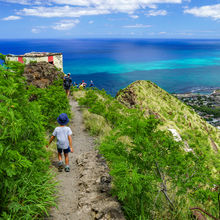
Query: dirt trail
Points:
[69, 188]
[83, 192]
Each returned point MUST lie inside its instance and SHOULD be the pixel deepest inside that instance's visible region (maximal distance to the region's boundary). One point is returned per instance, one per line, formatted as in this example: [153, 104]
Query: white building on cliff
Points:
[53, 58]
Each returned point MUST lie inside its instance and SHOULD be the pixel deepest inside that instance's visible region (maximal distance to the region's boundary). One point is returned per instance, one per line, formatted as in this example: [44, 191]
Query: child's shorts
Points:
[65, 151]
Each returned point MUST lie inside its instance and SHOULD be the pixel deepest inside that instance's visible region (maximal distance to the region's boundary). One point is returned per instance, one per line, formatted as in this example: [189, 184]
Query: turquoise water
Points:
[175, 65]
[120, 68]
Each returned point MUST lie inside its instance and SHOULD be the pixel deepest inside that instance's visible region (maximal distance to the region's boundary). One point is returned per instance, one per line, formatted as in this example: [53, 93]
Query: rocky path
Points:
[83, 192]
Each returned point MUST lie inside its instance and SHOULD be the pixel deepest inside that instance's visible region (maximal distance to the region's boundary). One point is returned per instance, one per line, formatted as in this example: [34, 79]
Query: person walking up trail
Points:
[91, 84]
[64, 141]
[67, 82]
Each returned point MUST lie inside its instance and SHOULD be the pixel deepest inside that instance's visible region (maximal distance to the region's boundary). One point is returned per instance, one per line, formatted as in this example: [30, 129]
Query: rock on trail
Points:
[84, 191]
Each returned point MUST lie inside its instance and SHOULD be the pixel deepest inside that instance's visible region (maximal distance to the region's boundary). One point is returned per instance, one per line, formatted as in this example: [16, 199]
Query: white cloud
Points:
[65, 11]
[156, 13]
[35, 30]
[60, 26]
[24, 2]
[77, 8]
[152, 6]
[11, 18]
[112, 3]
[65, 25]
[212, 11]
[137, 26]
[134, 16]
[38, 29]
[91, 22]
[72, 2]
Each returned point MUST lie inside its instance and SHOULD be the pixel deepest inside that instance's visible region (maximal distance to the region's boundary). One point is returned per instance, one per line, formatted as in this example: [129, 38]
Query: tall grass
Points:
[96, 124]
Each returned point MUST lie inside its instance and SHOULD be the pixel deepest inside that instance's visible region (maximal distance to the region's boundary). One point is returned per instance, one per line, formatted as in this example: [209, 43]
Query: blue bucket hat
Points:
[63, 119]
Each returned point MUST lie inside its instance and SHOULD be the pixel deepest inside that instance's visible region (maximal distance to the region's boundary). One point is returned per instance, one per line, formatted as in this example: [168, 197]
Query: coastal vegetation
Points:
[27, 186]
[154, 176]
[213, 112]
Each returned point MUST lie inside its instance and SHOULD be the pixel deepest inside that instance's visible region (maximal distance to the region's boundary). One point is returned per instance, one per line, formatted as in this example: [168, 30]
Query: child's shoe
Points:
[60, 166]
[67, 169]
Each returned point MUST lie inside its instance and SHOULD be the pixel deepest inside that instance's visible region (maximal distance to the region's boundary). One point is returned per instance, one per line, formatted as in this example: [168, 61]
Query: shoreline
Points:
[185, 94]
[207, 106]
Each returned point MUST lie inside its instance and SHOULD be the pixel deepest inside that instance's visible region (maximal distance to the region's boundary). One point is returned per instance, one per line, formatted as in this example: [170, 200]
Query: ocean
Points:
[178, 66]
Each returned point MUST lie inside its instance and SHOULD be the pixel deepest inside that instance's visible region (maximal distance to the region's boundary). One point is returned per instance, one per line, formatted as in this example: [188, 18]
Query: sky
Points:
[68, 19]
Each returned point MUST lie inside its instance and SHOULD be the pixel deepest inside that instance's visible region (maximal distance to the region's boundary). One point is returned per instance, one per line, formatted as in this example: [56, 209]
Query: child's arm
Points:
[70, 142]
[51, 139]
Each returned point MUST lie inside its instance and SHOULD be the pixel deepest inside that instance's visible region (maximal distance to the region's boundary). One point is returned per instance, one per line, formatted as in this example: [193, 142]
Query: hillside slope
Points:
[154, 176]
[194, 131]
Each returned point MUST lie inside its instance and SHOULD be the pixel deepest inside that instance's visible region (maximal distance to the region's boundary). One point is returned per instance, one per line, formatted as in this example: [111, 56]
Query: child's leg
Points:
[60, 163]
[66, 159]
[59, 156]
[68, 92]
[66, 151]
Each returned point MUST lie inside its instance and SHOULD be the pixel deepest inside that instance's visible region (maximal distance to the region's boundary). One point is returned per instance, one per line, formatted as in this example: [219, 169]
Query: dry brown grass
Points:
[79, 94]
[96, 124]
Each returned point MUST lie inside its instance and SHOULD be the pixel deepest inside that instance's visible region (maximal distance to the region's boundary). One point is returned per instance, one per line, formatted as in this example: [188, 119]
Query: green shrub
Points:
[153, 177]
[33, 61]
[27, 186]
[52, 101]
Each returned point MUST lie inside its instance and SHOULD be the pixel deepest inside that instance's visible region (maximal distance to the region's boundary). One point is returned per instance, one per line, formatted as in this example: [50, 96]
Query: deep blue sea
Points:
[178, 66]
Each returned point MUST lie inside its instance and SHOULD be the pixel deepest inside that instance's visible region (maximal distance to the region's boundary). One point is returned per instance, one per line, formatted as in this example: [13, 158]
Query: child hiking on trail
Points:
[64, 141]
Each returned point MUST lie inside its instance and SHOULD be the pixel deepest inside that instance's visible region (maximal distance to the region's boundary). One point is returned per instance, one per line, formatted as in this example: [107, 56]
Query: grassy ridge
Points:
[153, 177]
[175, 114]
[26, 185]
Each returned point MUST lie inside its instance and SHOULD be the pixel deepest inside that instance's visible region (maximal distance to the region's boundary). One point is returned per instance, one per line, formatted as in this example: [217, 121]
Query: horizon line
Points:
[108, 38]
